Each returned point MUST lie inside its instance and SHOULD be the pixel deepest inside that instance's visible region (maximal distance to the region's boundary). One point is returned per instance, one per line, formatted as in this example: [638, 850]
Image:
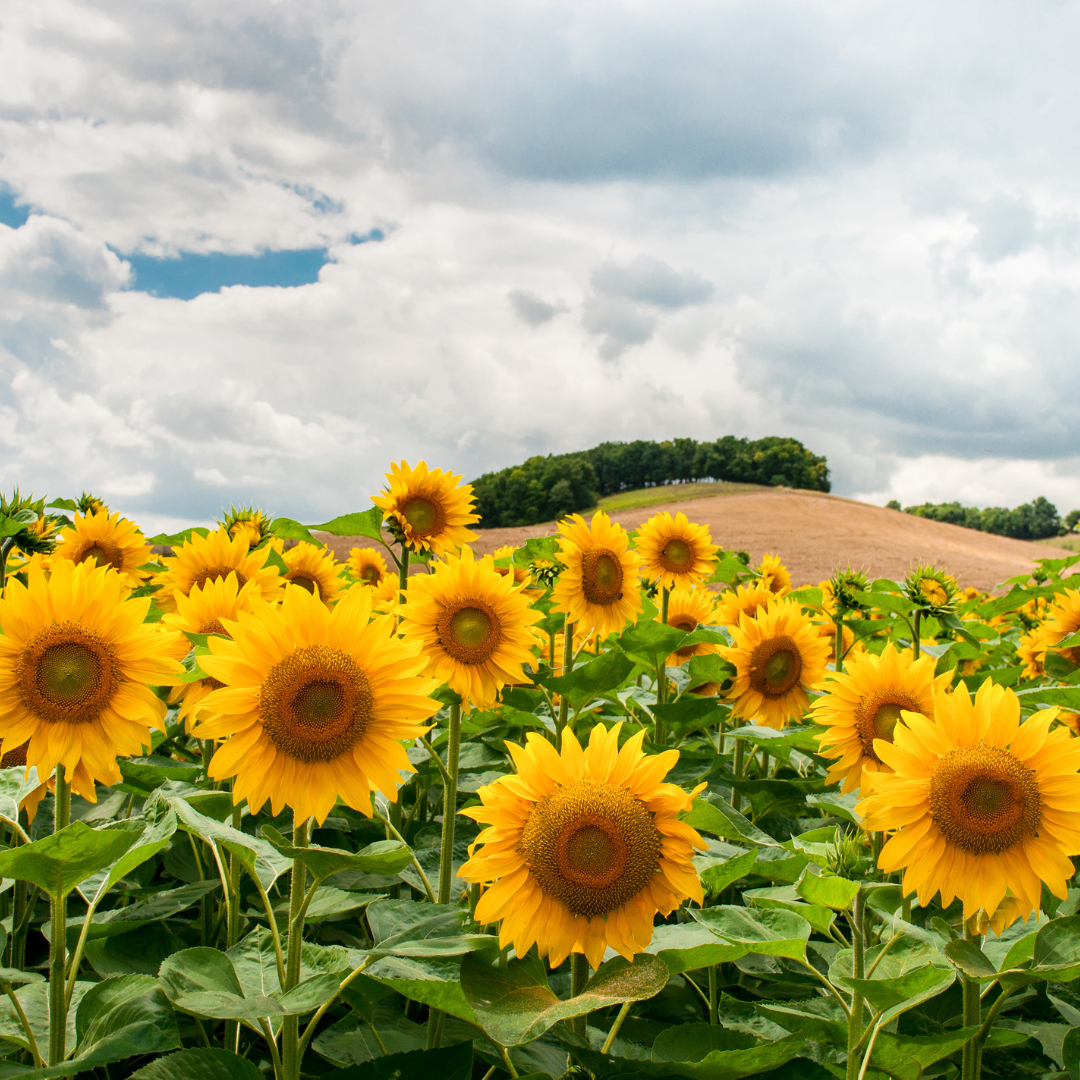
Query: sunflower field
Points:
[604, 805]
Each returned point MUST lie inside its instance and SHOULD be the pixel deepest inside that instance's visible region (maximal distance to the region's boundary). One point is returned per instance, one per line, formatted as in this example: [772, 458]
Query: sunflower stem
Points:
[579, 976]
[714, 994]
[916, 635]
[858, 951]
[618, 1024]
[838, 645]
[58, 944]
[453, 747]
[736, 795]
[290, 1026]
[232, 924]
[403, 570]
[972, 1016]
[568, 665]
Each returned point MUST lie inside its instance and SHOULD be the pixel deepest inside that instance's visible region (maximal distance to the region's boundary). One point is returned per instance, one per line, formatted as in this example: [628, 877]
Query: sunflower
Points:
[932, 590]
[314, 703]
[316, 570]
[984, 806]
[76, 659]
[367, 566]
[864, 703]
[207, 558]
[386, 596]
[598, 590]
[687, 610]
[473, 624]
[745, 599]
[14, 759]
[584, 847]
[202, 612]
[106, 539]
[429, 509]
[774, 575]
[252, 524]
[778, 656]
[1062, 619]
[674, 551]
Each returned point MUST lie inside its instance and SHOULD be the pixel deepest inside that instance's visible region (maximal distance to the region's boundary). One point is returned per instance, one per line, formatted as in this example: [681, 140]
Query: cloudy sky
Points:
[255, 250]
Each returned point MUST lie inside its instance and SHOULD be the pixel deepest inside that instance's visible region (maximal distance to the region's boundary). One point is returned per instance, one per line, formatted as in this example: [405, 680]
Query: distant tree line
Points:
[1037, 520]
[547, 488]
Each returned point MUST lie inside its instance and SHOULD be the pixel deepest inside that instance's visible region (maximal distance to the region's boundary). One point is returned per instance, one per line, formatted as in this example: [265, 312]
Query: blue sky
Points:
[853, 223]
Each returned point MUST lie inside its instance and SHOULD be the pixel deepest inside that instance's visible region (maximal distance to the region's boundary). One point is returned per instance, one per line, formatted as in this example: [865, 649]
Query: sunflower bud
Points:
[932, 590]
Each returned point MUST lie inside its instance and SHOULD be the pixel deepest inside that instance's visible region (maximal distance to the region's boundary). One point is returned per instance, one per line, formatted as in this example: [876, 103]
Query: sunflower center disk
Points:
[102, 556]
[68, 674]
[424, 516]
[315, 704]
[217, 573]
[591, 845]
[305, 583]
[469, 631]
[984, 799]
[775, 667]
[371, 574]
[684, 622]
[877, 717]
[601, 576]
[676, 555]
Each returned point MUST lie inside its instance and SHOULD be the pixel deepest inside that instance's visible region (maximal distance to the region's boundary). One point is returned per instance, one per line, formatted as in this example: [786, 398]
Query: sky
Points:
[255, 250]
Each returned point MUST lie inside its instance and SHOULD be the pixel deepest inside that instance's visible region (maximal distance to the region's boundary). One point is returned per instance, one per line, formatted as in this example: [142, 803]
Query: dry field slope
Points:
[814, 533]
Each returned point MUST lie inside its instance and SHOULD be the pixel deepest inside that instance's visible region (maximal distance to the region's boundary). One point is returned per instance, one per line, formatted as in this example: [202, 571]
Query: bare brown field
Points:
[815, 533]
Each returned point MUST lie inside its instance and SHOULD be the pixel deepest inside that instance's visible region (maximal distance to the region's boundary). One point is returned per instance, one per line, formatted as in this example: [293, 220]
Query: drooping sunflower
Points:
[106, 539]
[314, 703]
[584, 847]
[202, 611]
[986, 807]
[863, 703]
[745, 599]
[316, 570]
[687, 610]
[674, 551]
[474, 626]
[76, 665]
[774, 575]
[367, 566]
[598, 590]
[778, 656]
[429, 508]
[208, 558]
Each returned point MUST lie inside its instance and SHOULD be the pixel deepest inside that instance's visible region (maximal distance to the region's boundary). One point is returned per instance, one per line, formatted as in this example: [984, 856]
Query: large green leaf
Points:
[199, 1064]
[649, 642]
[784, 896]
[446, 1063]
[15, 785]
[34, 1001]
[363, 523]
[433, 982]
[350, 1040]
[123, 920]
[59, 862]
[716, 877]
[721, 819]
[515, 1005]
[288, 529]
[769, 932]
[587, 681]
[202, 981]
[689, 713]
[382, 857]
[909, 989]
[409, 928]
[690, 946]
[827, 890]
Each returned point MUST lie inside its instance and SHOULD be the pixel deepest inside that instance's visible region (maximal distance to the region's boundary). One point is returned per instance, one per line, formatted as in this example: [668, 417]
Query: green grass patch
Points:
[669, 493]
[1069, 543]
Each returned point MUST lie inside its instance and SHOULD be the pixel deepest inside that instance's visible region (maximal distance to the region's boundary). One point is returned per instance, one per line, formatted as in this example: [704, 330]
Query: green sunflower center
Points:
[425, 517]
[469, 631]
[677, 555]
[878, 714]
[601, 576]
[305, 582]
[102, 556]
[371, 574]
[775, 667]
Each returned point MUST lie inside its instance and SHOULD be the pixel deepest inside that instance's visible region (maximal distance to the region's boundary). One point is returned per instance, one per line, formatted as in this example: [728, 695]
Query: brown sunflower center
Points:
[601, 576]
[877, 715]
[68, 673]
[305, 582]
[214, 627]
[469, 631]
[775, 667]
[371, 574]
[425, 516]
[316, 703]
[984, 799]
[591, 845]
[676, 556]
[103, 554]
[217, 573]
[13, 758]
[684, 622]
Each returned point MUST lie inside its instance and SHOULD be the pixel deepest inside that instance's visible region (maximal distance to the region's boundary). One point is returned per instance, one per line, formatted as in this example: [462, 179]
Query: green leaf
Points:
[716, 878]
[514, 1005]
[275, 560]
[203, 981]
[123, 920]
[969, 959]
[176, 539]
[584, 683]
[689, 713]
[910, 989]
[350, 1041]
[63, 504]
[308, 995]
[383, 857]
[410, 928]
[720, 819]
[1057, 950]
[15, 785]
[34, 999]
[827, 890]
[199, 1064]
[690, 946]
[769, 932]
[819, 917]
[288, 529]
[148, 773]
[366, 523]
[59, 862]
[328, 901]
[649, 642]
[842, 806]
[1070, 1052]
[433, 982]
[447, 1063]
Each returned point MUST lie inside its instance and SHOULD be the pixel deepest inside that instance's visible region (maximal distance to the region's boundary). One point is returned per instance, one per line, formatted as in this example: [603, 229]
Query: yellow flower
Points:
[598, 590]
[1062, 618]
[863, 704]
[314, 703]
[253, 525]
[202, 612]
[984, 805]
[367, 566]
[14, 759]
[583, 847]
[745, 599]
[774, 575]
[208, 558]
[687, 610]
[474, 627]
[316, 570]
[429, 508]
[386, 596]
[778, 656]
[76, 659]
[107, 540]
[674, 551]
